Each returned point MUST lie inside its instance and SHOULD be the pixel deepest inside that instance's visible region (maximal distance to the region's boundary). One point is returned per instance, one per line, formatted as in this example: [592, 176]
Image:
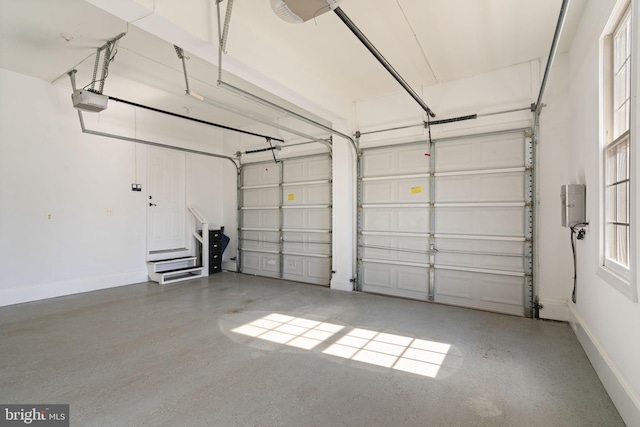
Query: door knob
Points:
[152, 204]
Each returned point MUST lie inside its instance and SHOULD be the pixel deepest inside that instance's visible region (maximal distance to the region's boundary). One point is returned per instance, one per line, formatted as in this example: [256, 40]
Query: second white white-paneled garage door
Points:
[449, 221]
[285, 219]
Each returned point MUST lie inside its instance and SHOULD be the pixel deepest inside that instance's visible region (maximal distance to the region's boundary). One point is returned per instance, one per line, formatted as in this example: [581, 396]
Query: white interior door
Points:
[450, 225]
[166, 203]
[285, 219]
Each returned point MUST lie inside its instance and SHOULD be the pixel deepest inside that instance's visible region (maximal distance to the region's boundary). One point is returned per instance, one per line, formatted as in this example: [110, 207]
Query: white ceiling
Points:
[320, 61]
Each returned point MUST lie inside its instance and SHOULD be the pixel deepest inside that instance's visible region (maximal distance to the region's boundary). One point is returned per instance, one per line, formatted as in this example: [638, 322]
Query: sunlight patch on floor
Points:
[292, 331]
[421, 357]
[402, 353]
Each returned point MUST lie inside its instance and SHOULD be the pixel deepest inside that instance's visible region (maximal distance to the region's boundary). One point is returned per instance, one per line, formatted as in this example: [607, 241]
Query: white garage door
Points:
[285, 219]
[449, 222]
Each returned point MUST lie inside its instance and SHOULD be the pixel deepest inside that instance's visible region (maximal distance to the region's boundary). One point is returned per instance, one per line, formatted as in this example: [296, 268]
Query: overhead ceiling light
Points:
[298, 11]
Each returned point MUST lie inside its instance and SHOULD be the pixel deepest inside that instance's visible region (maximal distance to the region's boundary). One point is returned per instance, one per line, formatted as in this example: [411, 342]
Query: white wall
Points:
[509, 88]
[97, 235]
[554, 264]
[605, 321]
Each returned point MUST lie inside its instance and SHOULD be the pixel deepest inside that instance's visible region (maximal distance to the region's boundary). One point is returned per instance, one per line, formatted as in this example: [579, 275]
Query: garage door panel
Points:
[413, 160]
[312, 218]
[260, 174]
[278, 204]
[307, 269]
[474, 206]
[405, 281]
[315, 243]
[261, 264]
[501, 187]
[396, 161]
[410, 190]
[308, 169]
[491, 262]
[481, 221]
[411, 220]
[486, 291]
[314, 194]
[259, 240]
[261, 218]
[257, 197]
[480, 246]
[395, 248]
[480, 153]
[413, 279]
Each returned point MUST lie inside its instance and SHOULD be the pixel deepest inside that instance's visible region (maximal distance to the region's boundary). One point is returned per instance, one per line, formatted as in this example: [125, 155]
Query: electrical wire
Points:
[580, 236]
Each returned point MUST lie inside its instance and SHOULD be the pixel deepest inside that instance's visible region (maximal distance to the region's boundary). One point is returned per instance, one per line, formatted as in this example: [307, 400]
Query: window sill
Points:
[618, 282]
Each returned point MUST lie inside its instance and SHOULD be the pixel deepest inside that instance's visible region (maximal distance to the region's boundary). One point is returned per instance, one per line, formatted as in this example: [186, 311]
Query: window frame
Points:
[618, 275]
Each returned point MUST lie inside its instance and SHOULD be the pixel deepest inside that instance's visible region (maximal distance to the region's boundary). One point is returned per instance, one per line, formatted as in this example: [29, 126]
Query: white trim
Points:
[341, 285]
[623, 280]
[43, 291]
[554, 310]
[618, 282]
[621, 392]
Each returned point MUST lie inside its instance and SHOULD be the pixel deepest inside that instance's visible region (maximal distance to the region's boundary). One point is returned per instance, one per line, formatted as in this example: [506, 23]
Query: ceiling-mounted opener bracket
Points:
[110, 49]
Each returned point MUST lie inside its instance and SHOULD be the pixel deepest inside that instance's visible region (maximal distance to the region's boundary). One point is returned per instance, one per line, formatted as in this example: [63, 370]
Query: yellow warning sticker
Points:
[291, 196]
[416, 190]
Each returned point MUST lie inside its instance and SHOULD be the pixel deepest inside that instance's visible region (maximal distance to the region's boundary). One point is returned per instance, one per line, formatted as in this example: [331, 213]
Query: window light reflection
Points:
[421, 357]
[292, 331]
[402, 353]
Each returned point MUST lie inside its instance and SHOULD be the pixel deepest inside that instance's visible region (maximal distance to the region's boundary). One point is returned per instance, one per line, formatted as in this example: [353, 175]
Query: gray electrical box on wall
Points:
[573, 204]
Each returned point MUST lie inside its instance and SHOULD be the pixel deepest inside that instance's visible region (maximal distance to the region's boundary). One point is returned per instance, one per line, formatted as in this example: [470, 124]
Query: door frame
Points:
[528, 297]
[188, 244]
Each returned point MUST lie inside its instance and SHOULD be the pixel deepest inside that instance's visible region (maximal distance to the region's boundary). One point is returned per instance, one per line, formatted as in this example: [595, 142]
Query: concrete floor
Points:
[185, 354]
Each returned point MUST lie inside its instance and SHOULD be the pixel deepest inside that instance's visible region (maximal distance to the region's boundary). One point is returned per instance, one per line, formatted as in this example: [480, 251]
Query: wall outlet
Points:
[136, 187]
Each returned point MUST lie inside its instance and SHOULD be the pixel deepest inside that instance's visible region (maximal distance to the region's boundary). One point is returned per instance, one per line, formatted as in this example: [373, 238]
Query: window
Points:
[617, 146]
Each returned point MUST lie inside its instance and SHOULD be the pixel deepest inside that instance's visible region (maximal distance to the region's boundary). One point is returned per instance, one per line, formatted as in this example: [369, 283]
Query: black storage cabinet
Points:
[215, 251]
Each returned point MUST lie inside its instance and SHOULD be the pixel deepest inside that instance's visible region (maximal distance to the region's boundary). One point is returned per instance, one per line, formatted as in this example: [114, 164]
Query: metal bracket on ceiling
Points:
[110, 49]
[182, 57]
[223, 33]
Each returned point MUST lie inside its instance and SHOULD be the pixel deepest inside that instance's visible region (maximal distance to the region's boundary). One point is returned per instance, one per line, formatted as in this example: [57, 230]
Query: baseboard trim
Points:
[341, 285]
[229, 265]
[554, 310]
[622, 394]
[43, 291]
